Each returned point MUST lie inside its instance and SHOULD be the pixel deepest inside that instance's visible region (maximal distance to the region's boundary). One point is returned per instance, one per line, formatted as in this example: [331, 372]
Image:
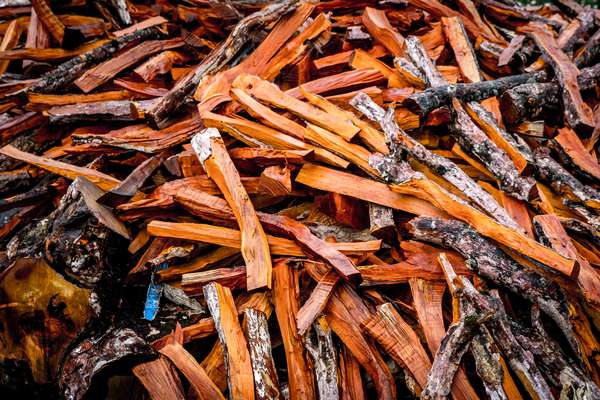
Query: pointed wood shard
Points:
[211, 152]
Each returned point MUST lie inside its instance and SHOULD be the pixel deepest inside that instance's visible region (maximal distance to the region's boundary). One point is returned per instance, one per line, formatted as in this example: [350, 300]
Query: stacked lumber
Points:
[299, 199]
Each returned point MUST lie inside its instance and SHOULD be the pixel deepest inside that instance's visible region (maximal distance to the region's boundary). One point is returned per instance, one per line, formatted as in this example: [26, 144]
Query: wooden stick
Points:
[345, 312]
[256, 328]
[448, 169]
[577, 112]
[316, 302]
[217, 59]
[399, 340]
[237, 359]
[100, 74]
[271, 94]
[160, 379]
[203, 386]
[211, 152]
[70, 70]
[285, 301]
[380, 28]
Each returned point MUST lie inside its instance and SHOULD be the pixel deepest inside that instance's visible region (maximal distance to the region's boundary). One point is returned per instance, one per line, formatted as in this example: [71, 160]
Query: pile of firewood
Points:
[298, 199]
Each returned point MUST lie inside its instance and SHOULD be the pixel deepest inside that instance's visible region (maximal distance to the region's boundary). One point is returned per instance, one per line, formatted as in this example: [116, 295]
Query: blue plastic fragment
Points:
[153, 295]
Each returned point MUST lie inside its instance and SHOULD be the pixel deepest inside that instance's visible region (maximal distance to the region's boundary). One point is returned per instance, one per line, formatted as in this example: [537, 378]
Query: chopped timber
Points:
[424, 102]
[160, 379]
[70, 70]
[213, 155]
[577, 113]
[235, 349]
[259, 342]
[217, 59]
[203, 386]
[285, 302]
[446, 168]
[398, 339]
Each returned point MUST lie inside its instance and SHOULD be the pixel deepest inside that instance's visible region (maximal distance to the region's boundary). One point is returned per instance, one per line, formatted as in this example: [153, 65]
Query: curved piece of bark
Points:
[563, 182]
[323, 354]
[256, 327]
[493, 264]
[448, 356]
[217, 59]
[70, 70]
[95, 353]
[235, 350]
[211, 152]
[438, 164]
[285, 300]
[424, 102]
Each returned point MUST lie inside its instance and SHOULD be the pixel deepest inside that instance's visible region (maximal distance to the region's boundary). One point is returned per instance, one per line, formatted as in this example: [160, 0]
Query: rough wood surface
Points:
[235, 349]
[213, 155]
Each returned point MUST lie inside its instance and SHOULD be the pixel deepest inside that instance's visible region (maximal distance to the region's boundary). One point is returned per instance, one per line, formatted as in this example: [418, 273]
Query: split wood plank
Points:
[211, 152]
[235, 349]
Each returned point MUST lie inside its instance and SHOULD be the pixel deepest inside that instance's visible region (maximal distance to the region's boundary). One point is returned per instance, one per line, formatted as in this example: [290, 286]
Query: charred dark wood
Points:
[428, 100]
[94, 354]
[217, 59]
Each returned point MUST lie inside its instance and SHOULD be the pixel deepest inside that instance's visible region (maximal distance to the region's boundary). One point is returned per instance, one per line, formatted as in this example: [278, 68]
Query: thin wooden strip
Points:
[231, 238]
